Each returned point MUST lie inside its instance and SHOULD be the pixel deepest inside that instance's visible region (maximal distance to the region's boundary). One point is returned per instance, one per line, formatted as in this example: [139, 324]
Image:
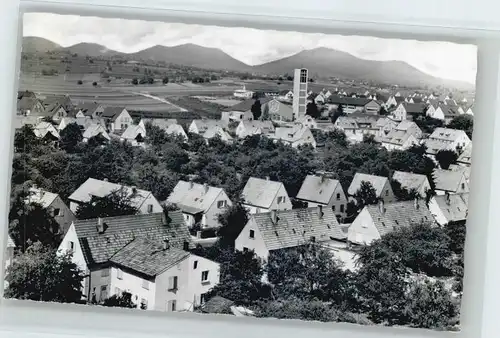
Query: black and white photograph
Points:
[176, 167]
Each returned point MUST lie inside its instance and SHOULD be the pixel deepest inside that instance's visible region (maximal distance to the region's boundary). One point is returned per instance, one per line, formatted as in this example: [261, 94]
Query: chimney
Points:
[320, 211]
[100, 225]
[274, 216]
[381, 207]
[205, 188]
[415, 203]
[447, 196]
[166, 244]
[164, 217]
[134, 190]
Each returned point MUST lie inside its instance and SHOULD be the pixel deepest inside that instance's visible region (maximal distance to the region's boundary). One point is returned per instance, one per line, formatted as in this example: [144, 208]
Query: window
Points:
[57, 211]
[150, 208]
[252, 234]
[104, 292]
[463, 185]
[172, 283]
[71, 246]
[281, 199]
[338, 196]
[119, 274]
[172, 305]
[341, 208]
[204, 276]
[202, 298]
[195, 265]
[105, 273]
[333, 208]
[387, 193]
[221, 204]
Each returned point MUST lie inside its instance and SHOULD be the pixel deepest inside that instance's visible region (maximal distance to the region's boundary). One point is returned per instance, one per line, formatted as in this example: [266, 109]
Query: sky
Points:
[251, 46]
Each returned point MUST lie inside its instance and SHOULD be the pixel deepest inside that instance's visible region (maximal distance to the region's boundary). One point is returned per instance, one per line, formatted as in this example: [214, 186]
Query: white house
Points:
[449, 208]
[374, 221]
[382, 186]
[449, 181]
[46, 130]
[177, 131]
[263, 195]
[446, 139]
[465, 157]
[201, 126]
[295, 136]
[243, 93]
[217, 131]
[200, 203]
[412, 181]
[54, 204]
[307, 121]
[408, 111]
[145, 255]
[117, 118]
[134, 134]
[275, 230]
[142, 200]
[398, 140]
[95, 130]
[321, 190]
[255, 127]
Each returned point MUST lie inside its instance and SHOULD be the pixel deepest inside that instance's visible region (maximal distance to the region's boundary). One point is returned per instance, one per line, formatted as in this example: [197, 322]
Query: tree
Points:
[70, 137]
[122, 300]
[117, 203]
[365, 195]
[445, 158]
[135, 81]
[338, 112]
[232, 221]
[94, 84]
[43, 275]
[256, 109]
[80, 82]
[165, 80]
[25, 139]
[312, 110]
[463, 122]
[402, 193]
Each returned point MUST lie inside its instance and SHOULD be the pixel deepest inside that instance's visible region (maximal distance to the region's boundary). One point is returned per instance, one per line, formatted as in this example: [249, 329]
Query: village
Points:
[215, 215]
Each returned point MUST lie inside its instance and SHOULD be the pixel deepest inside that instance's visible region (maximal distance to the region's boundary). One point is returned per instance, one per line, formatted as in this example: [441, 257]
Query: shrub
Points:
[80, 82]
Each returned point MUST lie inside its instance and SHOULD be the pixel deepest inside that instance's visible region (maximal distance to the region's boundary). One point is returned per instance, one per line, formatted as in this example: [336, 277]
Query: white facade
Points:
[300, 82]
[250, 239]
[410, 141]
[71, 243]
[122, 121]
[281, 201]
[243, 93]
[363, 230]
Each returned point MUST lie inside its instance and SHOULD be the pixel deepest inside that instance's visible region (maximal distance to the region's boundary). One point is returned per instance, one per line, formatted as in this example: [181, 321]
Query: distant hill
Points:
[322, 62]
[334, 63]
[192, 55]
[33, 44]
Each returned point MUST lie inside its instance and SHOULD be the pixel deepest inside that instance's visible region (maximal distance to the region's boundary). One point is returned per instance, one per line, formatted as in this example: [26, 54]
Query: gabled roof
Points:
[447, 134]
[434, 146]
[388, 217]
[26, 103]
[193, 197]
[378, 183]
[39, 196]
[88, 108]
[133, 131]
[43, 128]
[204, 124]
[10, 242]
[176, 129]
[397, 137]
[112, 112]
[213, 131]
[453, 206]
[297, 227]
[317, 189]
[410, 180]
[160, 123]
[92, 187]
[95, 129]
[447, 180]
[247, 104]
[351, 101]
[465, 156]
[260, 192]
[122, 230]
[449, 110]
[264, 126]
[148, 257]
[406, 125]
[290, 134]
[414, 108]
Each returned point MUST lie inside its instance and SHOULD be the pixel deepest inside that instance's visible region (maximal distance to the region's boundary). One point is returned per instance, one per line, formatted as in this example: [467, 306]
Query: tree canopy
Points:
[117, 203]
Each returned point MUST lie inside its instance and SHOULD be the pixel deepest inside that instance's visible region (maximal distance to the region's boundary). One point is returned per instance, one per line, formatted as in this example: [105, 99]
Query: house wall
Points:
[286, 205]
[190, 287]
[256, 244]
[436, 212]
[372, 107]
[236, 116]
[130, 283]
[77, 257]
[400, 113]
[177, 131]
[307, 138]
[193, 128]
[98, 111]
[122, 121]
[59, 114]
[212, 213]
[387, 193]
[9, 256]
[284, 112]
[150, 200]
[437, 114]
[65, 216]
[362, 230]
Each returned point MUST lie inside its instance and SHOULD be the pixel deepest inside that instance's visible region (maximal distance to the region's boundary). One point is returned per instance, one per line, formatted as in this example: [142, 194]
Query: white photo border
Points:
[458, 21]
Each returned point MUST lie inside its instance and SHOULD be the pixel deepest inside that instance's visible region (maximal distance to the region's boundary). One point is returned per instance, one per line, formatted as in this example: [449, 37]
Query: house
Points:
[461, 168]
[282, 229]
[375, 221]
[201, 126]
[384, 126]
[295, 136]
[95, 130]
[54, 204]
[200, 203]
[134, 134]
[353, 104]
[357, 125]
[408, 111]
[325, 125]
[58, 100]
[217, 131]
[263, 195]
[470, 111]
[307, 121]
[445, 112]
[412, 181]
[255, 127]
[446, 139]
[394, 101]
[325, 191]
[285, 95]
[9, 253]
[145, 255]
[465, 157]
[409, 127]
[90, 109]
[46, 131]
[142, 200]
[117, 118]
[382, 186]
[405, 135]
[243, 93]
[277, 111]
[56, 111]
[449, 208]
[242, 111]
[176, 130]
[449, 181]
[30, 106]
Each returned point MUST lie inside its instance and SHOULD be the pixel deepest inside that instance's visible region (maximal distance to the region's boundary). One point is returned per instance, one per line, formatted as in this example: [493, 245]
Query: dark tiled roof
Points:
[391, 216]
[88, 108]
[409, 180]
[414, 108]
[453, 206]
[297, 226]
[112, 112]
[354, 101]
[247, 104]
[148, 257]
[121, 230]
[465, 156]
[447, 180]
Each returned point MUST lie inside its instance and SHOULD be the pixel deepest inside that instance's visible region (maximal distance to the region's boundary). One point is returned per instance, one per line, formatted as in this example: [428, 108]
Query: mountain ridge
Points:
[323, 61]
